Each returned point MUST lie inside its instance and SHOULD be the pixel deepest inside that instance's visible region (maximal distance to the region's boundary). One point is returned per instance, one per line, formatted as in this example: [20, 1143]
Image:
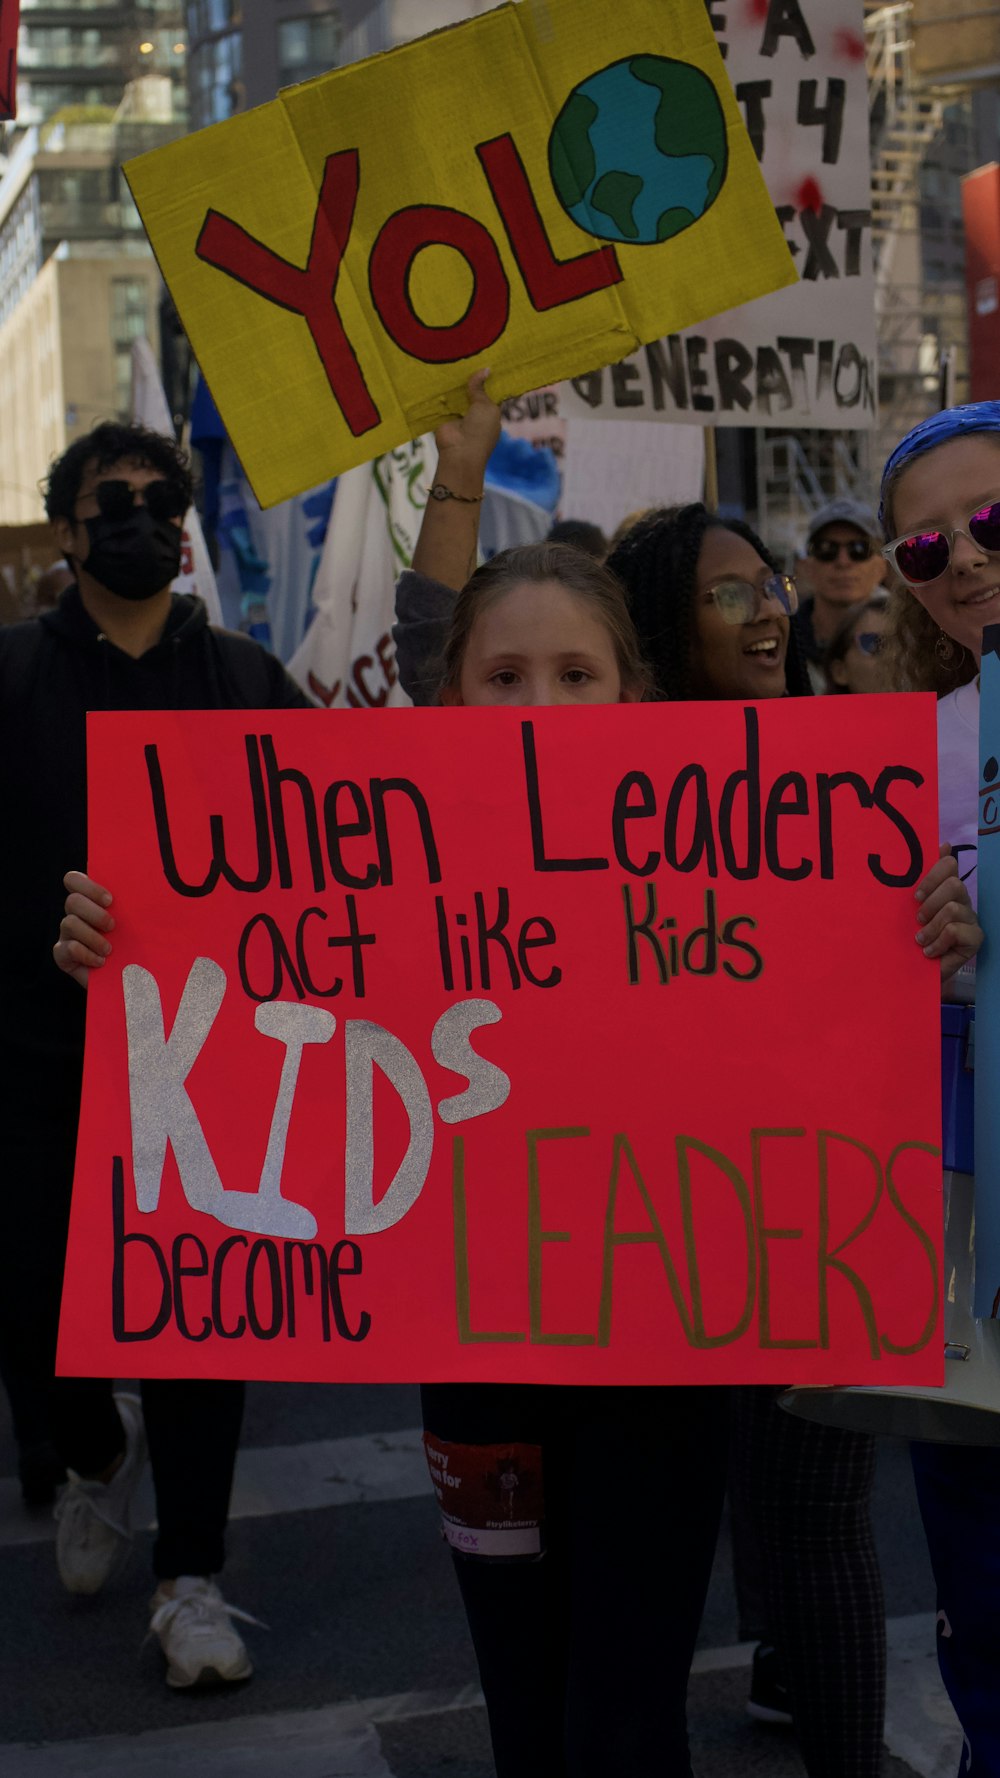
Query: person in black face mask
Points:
[123, 535]
[135, 536]
[119, 639]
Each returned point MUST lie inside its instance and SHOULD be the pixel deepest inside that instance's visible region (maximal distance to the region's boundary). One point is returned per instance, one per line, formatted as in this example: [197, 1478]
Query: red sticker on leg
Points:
[491, 1496]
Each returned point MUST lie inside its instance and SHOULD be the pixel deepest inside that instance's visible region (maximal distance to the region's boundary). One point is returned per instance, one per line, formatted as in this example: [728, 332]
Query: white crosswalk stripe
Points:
[343, 1741]
[274, 1479]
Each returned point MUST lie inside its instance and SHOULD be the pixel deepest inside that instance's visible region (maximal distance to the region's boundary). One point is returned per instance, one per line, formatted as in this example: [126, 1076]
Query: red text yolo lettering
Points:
[311, 291]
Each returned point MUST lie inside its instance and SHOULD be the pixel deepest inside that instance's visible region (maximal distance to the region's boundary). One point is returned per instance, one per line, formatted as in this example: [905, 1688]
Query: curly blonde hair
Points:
[919, 656]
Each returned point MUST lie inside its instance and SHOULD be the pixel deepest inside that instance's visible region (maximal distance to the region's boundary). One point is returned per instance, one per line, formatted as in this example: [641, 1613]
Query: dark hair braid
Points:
[657, 563]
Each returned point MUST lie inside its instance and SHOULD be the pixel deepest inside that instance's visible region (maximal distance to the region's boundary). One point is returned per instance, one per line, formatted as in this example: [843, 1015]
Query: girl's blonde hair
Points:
[534, 563]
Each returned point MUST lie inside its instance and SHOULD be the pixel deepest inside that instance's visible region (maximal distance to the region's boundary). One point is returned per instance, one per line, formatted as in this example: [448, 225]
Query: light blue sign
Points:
[987, 1053]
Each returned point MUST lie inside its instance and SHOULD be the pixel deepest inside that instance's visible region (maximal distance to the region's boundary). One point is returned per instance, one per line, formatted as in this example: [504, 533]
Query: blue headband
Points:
[952, 422]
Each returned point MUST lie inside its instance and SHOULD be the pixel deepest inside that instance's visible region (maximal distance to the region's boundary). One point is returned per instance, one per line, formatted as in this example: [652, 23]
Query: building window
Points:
[215, 80]
[206, 16]
[129, 322]
[307, 46]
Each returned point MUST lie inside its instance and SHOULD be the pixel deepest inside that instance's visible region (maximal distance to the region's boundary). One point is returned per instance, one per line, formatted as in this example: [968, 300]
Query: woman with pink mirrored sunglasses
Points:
[941, 511]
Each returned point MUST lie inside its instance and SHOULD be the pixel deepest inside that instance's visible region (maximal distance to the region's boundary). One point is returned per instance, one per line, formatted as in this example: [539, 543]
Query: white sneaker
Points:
[196, 1633]
[94, 1539]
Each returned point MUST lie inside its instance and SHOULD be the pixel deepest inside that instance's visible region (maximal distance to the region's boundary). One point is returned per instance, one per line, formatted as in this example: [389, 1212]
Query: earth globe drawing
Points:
[639, 151]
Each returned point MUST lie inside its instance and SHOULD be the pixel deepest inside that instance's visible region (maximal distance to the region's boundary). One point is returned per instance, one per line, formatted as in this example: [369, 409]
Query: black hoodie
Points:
[53, 669]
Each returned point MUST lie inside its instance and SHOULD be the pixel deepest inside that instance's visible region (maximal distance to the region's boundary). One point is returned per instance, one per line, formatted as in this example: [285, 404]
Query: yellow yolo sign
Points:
[543, 188]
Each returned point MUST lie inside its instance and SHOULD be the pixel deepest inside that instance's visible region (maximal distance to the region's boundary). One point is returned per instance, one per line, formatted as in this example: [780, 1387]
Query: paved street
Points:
[365, 1670]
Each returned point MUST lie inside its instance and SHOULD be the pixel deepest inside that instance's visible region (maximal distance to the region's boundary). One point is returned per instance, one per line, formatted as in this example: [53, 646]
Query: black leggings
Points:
[584, 1652]
[193, 1427]
[806, 1490]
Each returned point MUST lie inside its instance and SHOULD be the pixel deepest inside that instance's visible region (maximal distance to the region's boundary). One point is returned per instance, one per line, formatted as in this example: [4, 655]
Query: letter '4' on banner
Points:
[503, 1045]
[541, 199]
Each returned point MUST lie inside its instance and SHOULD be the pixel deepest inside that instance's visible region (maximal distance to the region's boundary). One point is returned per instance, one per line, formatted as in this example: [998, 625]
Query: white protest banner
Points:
[347, 658]
[149, 407]
[805, 355]
[613, 470]
[610, 471]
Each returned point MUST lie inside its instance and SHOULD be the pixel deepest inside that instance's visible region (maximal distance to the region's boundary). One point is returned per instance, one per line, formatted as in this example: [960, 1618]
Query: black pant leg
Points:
[585, 1655]
[649, 1478]
[518, 1610]
[749, 1568]
[39, 1113]
[193, 1428]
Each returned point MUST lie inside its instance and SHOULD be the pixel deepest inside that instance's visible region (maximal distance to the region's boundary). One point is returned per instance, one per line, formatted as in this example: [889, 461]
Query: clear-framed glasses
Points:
[740, 601]
[923, 556]
[856, 549]
[870, 641]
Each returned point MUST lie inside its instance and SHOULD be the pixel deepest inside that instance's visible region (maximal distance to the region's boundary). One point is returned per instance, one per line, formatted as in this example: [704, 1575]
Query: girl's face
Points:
[862, 667]
[539, 644]
[939, 492]
[736, 660]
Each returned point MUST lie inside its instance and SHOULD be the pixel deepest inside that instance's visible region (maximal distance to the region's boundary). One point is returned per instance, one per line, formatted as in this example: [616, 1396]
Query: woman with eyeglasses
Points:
[714, 615]
[715, 619]
[855, 659]
[941, 510]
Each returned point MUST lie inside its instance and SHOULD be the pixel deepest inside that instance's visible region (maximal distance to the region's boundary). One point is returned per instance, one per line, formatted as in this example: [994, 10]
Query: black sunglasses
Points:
[827, 549]
[162, 499]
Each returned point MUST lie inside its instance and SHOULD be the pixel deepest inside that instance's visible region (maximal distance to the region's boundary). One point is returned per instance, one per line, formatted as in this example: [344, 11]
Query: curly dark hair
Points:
[107, 444]
[657, 563]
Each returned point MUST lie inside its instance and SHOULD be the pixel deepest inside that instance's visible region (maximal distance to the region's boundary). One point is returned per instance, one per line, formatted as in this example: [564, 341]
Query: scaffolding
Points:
[906, 121]
[921, 324]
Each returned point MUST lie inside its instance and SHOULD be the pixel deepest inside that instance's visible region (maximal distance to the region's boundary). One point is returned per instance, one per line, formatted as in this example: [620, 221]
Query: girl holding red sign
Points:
[585, 1655]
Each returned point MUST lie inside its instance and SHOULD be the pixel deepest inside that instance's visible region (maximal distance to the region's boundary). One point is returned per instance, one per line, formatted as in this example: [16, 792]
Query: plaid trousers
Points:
[804, 1493]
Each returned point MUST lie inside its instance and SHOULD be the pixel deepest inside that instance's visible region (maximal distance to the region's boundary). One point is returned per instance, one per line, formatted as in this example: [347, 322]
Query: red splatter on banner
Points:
[9, 11]
[810, 195]
[757, 10]
[850, 45]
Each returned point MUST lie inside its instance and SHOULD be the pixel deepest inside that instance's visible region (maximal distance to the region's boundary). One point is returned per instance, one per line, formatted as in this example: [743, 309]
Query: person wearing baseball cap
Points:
[843, 566]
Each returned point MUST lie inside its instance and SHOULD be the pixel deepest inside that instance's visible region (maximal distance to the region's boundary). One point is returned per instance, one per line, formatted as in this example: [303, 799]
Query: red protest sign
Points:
[9, 11]
[579, 1045]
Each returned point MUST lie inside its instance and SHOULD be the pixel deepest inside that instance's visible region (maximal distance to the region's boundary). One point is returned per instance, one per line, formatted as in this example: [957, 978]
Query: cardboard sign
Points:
[987, 1032]
[540, 189]
[9, 11]
[538, 1045]
[803, 356]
